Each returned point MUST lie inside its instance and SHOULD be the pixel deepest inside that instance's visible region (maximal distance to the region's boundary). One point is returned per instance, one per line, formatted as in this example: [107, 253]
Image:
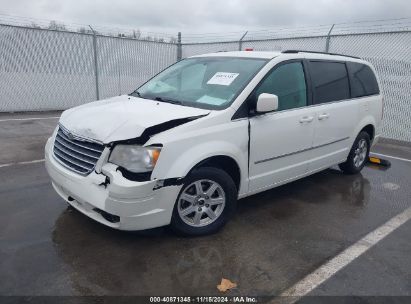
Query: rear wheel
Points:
[358, 156]
[205, 203]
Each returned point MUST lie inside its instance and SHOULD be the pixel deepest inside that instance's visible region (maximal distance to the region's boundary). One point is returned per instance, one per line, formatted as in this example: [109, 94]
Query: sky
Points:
[206, 16]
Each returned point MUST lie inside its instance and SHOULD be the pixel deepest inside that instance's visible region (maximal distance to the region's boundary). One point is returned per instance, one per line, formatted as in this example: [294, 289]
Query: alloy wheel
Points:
[201, 203]
[360, 153]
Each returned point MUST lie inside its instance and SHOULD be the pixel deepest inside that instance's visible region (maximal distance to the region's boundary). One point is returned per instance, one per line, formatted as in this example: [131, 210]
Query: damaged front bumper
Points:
[111, 199]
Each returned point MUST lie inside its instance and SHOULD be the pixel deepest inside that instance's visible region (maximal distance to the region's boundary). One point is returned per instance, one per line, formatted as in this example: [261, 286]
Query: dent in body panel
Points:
[153, 130]
[189, 148]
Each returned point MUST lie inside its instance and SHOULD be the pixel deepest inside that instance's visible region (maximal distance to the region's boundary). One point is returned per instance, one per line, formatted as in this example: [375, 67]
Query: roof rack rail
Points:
[314, 52]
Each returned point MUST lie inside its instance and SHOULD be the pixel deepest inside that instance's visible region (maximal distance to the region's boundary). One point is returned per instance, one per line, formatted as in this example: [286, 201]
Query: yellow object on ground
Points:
[375, 160]
[379, 161]
[226, 285]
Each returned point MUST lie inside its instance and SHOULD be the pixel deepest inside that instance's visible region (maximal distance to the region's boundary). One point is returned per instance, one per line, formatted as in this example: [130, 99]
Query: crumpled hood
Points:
[122, 117]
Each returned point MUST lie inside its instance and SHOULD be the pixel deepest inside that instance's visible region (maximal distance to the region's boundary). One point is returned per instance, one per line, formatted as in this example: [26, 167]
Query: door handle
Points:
[306, 119]
[323, 116]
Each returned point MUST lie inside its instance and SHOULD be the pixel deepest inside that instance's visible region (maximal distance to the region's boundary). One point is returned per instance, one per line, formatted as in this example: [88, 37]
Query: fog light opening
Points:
[108, 216]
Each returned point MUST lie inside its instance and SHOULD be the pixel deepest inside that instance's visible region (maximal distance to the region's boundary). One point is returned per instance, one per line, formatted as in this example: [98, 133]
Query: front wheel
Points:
[358, 156]
[205, 203]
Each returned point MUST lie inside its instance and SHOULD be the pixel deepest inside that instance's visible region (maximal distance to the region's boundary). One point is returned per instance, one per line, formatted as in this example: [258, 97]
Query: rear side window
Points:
[330, 81]
[362, 79]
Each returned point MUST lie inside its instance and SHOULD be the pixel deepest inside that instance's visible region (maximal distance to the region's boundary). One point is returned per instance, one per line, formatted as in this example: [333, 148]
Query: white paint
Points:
[274, 161]
[246, 54]
[31, 118]
[393, 157]
[122, 117]
[267, 103]
[283, 145]
[23, 163]
[326, 271]
[223, 78]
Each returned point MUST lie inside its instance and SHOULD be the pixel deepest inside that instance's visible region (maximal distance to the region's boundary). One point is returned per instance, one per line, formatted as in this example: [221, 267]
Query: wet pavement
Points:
[276, 238]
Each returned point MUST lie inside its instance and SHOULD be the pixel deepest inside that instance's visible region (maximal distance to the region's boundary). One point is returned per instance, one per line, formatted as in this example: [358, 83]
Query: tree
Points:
[34, 25]
[53, 25]
[82, 30]
[136, 34]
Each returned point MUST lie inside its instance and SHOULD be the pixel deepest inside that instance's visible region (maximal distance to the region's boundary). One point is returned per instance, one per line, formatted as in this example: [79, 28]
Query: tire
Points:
[358, 156]
[195, 207]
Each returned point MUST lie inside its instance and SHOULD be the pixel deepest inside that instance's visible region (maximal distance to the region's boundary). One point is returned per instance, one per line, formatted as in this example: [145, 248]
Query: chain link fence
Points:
[125, 64]
[389, 52]
[42, 70]
[52, 70]
[192, 49]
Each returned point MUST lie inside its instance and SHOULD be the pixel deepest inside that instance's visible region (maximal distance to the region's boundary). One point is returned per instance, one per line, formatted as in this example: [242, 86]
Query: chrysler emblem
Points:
[70, 136]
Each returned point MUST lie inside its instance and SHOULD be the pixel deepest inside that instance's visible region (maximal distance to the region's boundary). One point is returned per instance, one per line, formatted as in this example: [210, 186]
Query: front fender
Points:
[204, 151]
[187, 145]
[181, 165]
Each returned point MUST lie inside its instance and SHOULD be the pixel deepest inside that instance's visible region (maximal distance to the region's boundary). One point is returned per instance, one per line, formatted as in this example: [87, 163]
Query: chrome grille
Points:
[77, 154]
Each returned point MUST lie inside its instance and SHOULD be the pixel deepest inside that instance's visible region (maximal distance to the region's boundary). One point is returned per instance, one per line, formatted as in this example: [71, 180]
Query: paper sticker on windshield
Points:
[223, 78]
[211, 100]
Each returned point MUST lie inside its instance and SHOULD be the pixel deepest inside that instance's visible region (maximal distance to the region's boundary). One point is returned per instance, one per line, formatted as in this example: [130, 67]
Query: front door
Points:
[280, 141]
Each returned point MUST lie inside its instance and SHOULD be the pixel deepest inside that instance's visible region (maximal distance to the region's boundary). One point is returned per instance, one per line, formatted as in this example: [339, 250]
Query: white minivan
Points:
[211, 129]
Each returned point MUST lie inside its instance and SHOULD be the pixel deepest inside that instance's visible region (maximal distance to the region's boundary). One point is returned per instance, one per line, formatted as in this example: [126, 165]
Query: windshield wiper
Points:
[136, 93]
[177, 102]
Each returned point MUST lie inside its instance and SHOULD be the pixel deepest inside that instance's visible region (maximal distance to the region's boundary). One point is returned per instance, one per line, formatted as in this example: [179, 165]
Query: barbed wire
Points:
[364, 26]
[49, 24]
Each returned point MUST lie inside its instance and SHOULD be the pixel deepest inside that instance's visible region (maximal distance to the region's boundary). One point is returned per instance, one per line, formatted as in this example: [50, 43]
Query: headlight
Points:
[134, 158]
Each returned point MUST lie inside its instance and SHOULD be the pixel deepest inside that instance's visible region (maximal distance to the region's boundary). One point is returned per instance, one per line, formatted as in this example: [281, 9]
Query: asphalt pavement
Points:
[277, 237]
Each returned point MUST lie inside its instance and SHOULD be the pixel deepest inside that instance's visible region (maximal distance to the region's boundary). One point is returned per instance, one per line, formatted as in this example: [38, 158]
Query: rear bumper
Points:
[133, 205]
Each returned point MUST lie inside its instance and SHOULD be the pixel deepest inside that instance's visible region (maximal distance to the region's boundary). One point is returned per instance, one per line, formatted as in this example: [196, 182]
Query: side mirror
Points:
[267, 103]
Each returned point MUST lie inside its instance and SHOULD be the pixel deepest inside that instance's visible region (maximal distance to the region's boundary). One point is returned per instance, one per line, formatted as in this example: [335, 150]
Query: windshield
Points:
[203, 82]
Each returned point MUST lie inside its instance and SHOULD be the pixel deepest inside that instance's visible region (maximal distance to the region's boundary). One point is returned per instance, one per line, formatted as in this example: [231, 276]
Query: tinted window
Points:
[330, 81]
[363, 81]
[288, 83]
